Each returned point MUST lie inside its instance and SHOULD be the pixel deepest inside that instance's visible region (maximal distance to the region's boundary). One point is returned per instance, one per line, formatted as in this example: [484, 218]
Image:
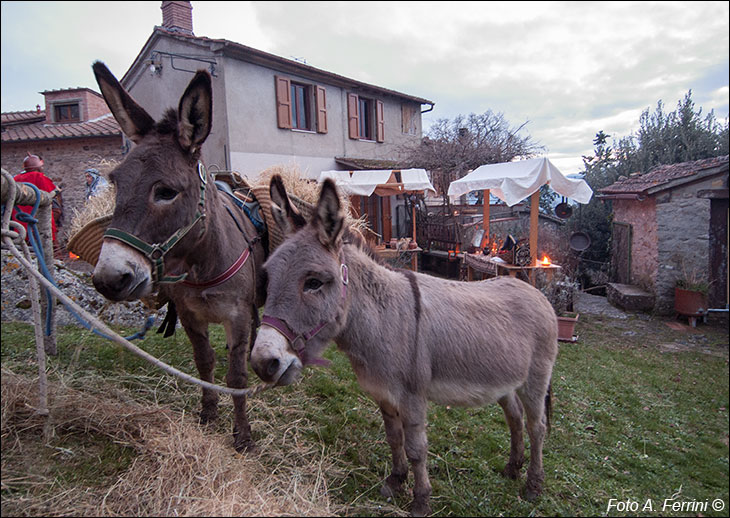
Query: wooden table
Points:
[494, 266]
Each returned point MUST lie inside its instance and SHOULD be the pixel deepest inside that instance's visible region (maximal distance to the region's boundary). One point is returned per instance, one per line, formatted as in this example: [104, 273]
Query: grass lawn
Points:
[640, 415]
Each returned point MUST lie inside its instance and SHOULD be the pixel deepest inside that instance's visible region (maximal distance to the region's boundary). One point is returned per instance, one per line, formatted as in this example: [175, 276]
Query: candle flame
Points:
[546, 261]
[73, 255]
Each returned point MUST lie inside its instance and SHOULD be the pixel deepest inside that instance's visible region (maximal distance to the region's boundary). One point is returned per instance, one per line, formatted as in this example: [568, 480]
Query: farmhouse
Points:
[270, 110]
[668, 221]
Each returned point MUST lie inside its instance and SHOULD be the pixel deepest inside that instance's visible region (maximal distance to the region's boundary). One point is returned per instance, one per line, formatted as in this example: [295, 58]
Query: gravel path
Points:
[74, 279]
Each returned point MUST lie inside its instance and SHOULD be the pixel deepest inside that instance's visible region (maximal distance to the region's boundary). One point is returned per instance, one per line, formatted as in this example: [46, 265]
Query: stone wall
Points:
[683, 232]
[65, 162]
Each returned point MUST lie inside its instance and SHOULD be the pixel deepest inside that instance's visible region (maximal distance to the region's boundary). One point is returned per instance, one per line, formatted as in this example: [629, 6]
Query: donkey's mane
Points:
[168, 123]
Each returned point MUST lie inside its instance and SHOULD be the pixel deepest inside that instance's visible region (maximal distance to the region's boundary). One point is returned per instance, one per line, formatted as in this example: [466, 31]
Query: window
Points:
[66, 112]
[299, 106]
[409, 114]
[365, 118]
[365, 108]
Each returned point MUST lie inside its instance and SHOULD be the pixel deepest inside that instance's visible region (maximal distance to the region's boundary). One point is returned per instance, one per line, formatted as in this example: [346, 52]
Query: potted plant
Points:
[561, 291]
[691, 295]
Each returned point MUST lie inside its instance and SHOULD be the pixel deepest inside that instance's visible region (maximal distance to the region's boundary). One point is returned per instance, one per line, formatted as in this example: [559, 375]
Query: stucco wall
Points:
[159, 91]
[641, 215]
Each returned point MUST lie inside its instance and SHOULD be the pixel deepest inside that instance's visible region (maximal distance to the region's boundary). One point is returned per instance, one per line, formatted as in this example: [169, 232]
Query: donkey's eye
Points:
[312, 284]
[163, 193]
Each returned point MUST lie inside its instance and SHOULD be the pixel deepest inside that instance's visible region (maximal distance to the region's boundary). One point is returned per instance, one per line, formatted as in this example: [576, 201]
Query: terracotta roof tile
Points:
[24, 117]
[357, 164]
[662, 174]
[238, 49]
[105, 125]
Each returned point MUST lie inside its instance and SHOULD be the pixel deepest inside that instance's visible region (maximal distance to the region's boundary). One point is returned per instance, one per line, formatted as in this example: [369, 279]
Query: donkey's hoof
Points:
[512, 471]
[420, 507]
[392, 486]
[532, 490]
[207, 416]
[245, 445]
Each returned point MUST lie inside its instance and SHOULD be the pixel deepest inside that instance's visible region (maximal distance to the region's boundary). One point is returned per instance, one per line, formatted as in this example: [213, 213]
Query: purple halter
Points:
[298, 342]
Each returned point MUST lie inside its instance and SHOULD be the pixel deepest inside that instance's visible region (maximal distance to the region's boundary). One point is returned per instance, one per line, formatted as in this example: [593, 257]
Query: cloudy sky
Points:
[569, 68]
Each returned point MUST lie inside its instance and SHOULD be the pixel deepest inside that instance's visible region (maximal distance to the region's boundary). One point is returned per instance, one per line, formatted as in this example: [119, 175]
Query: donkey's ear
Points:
[132, 118]
[285, 214]
[195, 112]
[329, 219]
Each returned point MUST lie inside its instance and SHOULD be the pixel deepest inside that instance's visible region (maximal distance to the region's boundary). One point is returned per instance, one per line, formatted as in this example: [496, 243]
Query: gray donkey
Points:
[410, 338]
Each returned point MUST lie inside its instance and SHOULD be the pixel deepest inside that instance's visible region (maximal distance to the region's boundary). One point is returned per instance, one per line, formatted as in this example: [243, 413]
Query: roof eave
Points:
[259, 57]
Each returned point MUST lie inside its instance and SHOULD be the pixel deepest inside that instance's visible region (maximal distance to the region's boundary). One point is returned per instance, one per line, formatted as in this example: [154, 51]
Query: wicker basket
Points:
[86, 243]
[276, 234]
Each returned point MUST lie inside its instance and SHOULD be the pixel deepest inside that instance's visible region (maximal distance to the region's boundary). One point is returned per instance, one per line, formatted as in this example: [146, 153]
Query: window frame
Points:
[62, 106]
[301, 106]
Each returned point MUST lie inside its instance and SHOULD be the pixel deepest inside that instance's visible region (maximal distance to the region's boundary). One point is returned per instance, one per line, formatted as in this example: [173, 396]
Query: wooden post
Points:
[485, 220]
[534, 211]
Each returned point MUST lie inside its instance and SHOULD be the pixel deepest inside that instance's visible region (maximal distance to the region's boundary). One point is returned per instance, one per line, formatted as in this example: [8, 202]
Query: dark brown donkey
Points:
[173, 230]
[410, 338]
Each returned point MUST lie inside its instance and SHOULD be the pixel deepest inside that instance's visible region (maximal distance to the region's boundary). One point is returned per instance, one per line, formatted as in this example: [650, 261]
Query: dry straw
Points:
[179, 468]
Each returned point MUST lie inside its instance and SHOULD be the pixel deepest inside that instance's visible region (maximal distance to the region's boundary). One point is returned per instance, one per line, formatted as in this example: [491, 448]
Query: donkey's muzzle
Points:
[121, 274]
[271, 359]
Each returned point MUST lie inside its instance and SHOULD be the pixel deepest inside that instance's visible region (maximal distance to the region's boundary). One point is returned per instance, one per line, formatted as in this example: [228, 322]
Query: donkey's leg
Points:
[394, 435]
[197, 331]
[238, 334]
[413, 416]
[533, 402]
[513, 414]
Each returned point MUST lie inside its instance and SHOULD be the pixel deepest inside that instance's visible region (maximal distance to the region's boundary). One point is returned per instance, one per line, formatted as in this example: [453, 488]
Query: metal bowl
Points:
[579, 241]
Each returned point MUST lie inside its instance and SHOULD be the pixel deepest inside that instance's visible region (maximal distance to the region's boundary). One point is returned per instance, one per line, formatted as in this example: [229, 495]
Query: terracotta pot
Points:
[691, 304]
[566, 328]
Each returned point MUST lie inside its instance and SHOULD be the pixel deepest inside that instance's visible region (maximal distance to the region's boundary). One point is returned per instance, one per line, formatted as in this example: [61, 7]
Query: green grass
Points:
[633, 419]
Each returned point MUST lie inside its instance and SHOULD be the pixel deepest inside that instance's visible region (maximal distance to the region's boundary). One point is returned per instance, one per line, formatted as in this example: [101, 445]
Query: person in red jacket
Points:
[33, 173]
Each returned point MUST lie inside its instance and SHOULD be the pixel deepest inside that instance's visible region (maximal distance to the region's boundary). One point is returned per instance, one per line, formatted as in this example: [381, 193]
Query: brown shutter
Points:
[321, 100]
[379, 121]
[283, 102]
[353, 120]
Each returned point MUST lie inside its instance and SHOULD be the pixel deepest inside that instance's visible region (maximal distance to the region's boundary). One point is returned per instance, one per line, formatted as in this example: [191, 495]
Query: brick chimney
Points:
[177, 16]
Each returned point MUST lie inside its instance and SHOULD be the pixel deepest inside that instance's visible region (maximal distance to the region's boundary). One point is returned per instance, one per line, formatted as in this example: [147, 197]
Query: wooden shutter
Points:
[283, 102]
[321, 100]
[379, 121]
[353, 119]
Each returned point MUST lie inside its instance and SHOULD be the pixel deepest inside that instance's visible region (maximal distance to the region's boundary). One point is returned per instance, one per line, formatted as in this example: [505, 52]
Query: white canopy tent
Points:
[512, 182]
[383, 182]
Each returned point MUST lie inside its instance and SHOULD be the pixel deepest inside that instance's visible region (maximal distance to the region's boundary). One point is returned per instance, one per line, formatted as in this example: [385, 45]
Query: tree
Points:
[452, 148]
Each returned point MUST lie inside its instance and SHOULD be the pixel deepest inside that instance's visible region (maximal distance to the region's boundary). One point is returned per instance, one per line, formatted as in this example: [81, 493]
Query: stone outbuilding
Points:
[670, 221]
[74, 131]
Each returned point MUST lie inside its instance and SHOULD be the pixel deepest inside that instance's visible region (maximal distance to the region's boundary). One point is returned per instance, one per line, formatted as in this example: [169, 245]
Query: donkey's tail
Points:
[548, 407]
